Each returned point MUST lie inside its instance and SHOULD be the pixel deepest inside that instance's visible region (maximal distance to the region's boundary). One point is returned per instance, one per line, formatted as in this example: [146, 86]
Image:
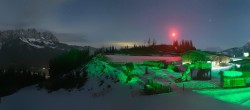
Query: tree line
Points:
[151, 47]
[183, 46]
[12, 79]
[67, 71]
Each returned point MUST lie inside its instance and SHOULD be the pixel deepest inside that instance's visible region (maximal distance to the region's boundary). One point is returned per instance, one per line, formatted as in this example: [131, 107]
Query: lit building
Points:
[246, 54]
[195, 55]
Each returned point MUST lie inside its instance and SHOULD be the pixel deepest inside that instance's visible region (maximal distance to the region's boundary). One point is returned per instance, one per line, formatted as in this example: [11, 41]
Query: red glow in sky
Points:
[173, 34]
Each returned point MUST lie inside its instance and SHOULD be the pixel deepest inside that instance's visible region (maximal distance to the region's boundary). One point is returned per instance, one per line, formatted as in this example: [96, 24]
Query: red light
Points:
[173, 34]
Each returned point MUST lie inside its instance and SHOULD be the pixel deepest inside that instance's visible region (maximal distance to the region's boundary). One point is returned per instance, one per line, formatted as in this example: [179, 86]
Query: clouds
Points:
[28, 13]
[206, 22]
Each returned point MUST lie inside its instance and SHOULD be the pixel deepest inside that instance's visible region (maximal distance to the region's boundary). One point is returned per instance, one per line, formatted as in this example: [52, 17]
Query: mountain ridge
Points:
[28, 48]
[237, 51]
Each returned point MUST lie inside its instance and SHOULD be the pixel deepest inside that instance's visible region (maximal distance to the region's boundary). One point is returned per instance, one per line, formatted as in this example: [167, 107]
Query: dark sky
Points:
[209, 23]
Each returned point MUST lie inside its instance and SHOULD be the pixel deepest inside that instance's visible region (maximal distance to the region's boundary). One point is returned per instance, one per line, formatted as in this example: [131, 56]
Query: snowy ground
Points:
[125, 96]
[119, 99]
[239, 96]
[168, 76]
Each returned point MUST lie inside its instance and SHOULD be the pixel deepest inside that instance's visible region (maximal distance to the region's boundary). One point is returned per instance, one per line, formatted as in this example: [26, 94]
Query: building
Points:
[219, 59]
[246, 54]
[231, 79]
[195, 55]
[45, 73]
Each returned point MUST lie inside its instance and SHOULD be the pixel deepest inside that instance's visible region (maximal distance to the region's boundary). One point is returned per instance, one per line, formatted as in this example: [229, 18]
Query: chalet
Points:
[219, 59]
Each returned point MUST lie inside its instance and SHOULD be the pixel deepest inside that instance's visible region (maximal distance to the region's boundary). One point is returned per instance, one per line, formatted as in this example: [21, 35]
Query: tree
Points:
[175, 43]
[113, 49]
[149, 42]
[67, 61]
[182, 43]
[191, 44]
[187, 44]
[135, 46]
[154, 42]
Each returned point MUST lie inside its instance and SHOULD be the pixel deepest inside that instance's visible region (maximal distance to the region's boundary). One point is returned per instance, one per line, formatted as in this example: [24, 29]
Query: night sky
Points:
[209, 23]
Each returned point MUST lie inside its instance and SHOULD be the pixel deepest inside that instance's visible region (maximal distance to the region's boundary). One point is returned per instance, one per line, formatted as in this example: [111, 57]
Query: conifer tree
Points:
[149, 42]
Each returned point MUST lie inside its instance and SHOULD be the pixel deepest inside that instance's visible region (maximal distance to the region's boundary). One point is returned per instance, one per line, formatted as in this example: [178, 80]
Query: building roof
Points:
[232, 73]
[199, 52]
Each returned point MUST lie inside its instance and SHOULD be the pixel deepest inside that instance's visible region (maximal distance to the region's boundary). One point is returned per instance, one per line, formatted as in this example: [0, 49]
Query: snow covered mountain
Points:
[237, 51]
[30, 36]
[30, 47]
[246, 47]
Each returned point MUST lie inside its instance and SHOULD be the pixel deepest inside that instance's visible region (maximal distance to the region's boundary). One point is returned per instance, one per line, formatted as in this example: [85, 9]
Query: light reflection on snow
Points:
[221, 68]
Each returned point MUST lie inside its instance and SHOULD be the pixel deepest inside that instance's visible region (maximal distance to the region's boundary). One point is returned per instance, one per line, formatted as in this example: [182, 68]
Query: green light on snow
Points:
[135, 80]
[236, 96]
[122, 77]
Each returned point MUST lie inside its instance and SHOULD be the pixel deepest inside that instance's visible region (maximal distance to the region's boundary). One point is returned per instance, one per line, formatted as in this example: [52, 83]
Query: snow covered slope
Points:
[103, 93]
[118, 99]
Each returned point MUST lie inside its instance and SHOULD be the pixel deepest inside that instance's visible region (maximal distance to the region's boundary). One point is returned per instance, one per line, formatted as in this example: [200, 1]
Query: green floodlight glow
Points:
[203, 65]
[232, 79]
[171, 67]
[153, 87]
[159, 64]
[236, 96]
[246, 74]
[197, 85]
[159, 74]
[122, 77]
[135, 80]
[232, 73]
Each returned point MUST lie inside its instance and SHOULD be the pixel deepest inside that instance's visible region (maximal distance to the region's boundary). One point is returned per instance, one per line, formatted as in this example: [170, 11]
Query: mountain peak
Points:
[30, 36]
[238, 51]
[247, 43]
[27, 34]
[246, 47]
